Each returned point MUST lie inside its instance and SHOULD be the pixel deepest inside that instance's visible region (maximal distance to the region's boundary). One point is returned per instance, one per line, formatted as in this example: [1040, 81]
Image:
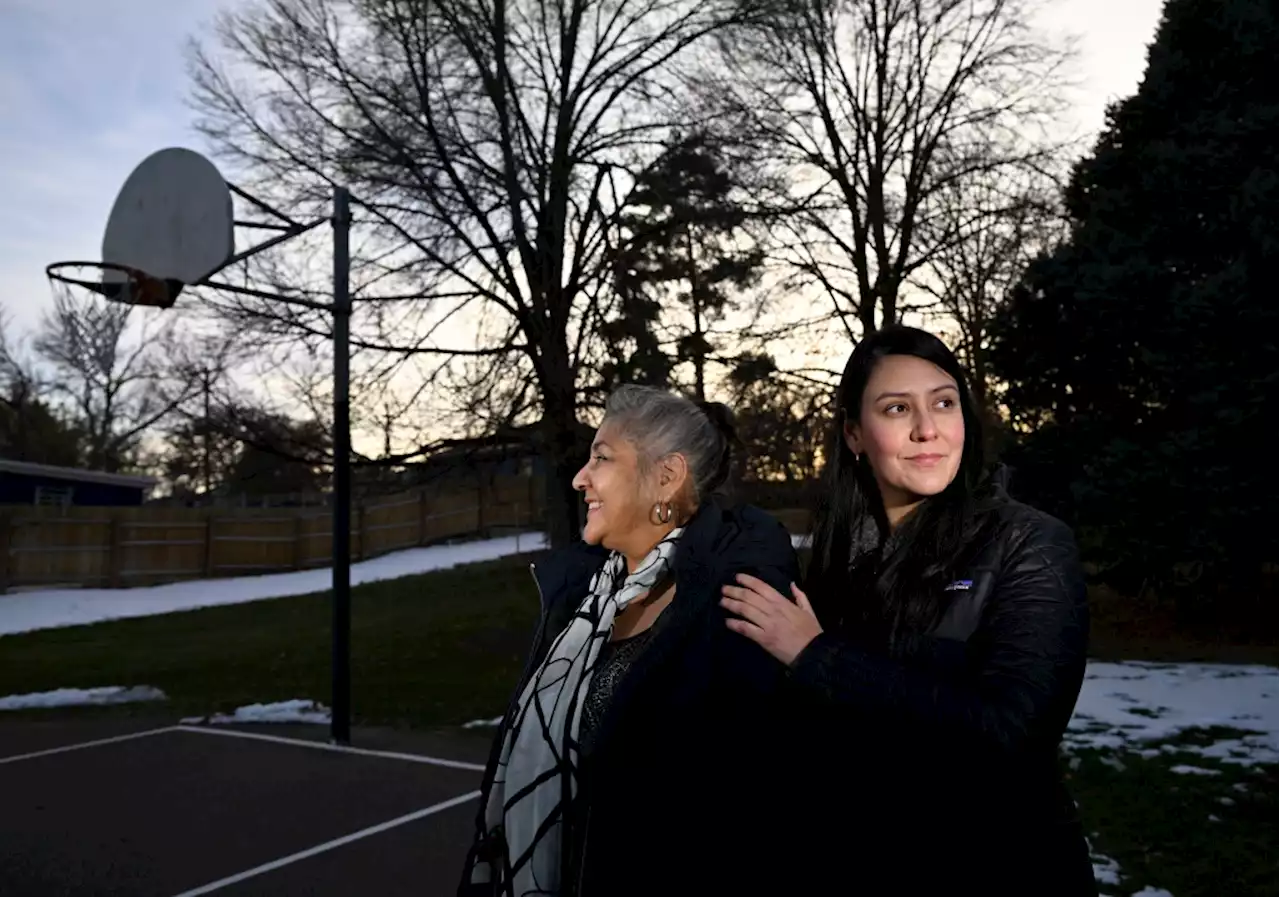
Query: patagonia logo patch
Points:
[960, 585]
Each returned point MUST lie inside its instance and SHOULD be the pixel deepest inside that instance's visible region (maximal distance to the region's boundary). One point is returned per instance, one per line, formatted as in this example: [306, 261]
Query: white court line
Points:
[88, 744]
[339, 748]
[327, 846]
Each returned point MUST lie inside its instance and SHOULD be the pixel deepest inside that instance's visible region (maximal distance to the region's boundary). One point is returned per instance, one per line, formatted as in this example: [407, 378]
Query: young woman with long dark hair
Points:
[942, 654]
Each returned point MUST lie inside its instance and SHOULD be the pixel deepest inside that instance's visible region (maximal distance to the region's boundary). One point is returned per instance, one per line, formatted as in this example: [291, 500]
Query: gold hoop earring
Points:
[662, 513]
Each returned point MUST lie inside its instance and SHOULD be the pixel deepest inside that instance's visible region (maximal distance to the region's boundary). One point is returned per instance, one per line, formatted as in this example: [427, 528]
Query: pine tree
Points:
[33, 430]
[682, 252]
[1141, 354]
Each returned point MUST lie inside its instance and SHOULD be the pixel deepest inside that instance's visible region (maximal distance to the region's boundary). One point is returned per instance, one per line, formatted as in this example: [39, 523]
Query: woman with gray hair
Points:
[628, 761]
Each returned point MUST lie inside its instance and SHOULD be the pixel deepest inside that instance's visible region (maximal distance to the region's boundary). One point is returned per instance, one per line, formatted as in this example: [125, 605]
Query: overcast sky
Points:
[90, 87]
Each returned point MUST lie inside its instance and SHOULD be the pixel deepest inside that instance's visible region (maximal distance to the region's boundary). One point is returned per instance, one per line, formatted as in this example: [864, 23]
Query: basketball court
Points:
[178, 811]
[126, 808]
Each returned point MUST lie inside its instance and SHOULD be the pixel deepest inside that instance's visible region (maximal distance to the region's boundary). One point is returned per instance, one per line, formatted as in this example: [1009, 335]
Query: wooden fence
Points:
[117, 547]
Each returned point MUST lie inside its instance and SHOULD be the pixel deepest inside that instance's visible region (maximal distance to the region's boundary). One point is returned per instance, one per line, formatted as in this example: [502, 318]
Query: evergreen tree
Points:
[1141, 354]
[781, 420]
[32, 430]
[684, 250]
[200, 452]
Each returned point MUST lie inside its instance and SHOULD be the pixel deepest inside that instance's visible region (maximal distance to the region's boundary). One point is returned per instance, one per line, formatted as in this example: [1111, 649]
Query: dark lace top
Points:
[616, 658]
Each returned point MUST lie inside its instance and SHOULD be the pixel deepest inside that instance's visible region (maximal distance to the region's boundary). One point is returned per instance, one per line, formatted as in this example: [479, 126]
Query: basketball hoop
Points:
[173, 226]
[113, 281]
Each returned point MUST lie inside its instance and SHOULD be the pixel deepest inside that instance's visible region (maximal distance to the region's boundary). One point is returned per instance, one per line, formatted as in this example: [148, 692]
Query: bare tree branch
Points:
[1000, 226]
[117, 385]
[880, 108]
[483, 139]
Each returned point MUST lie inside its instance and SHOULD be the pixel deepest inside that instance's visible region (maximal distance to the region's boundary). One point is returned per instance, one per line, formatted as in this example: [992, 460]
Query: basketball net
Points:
[112, 281]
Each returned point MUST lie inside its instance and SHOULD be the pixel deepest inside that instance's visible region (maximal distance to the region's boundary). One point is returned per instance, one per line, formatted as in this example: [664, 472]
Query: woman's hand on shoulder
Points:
[782, 627]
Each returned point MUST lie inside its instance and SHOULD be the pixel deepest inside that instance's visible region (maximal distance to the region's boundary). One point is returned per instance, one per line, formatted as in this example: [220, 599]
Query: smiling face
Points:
[910, 431]
[620, 497]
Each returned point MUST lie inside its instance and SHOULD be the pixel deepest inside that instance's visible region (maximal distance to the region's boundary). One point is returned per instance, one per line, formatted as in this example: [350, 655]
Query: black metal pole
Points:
[206, 377]
[340, 724]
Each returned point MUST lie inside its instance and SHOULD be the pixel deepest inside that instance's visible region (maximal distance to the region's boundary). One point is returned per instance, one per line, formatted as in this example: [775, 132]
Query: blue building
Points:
[25, 483]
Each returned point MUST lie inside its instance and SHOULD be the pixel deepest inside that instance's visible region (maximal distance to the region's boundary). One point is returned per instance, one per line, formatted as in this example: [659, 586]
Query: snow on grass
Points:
[1136, 706]
[1183, 770]
[295, 711]
[483, 723]
[29, 611]
[53, 608]
[79, 697]
[1106, 871]
[1197, 718]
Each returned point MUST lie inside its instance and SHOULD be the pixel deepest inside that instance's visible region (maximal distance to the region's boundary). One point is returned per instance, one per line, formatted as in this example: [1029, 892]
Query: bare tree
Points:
[32, 427]
[879, 108]
[19, 381]
[487, 144]
[115, 385]
[1000, 226]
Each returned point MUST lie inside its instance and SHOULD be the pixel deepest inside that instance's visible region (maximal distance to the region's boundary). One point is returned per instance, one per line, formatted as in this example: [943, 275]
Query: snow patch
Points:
[1129, 705]
[295, 711]
[1106, 871]
[30, 611]
[55, 608]
[483, 723]
[78, 697]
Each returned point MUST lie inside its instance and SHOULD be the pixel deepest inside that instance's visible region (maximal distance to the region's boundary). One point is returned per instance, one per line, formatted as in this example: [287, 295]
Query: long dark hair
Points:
[905, 590]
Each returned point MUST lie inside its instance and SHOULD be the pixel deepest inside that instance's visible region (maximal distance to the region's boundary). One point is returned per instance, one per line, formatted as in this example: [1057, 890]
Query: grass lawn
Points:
[446, 647]
[1192, 834]
[429, 650]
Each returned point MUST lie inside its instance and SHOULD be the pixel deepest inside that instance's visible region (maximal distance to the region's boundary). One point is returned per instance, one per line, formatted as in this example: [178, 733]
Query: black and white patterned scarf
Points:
[537, 771]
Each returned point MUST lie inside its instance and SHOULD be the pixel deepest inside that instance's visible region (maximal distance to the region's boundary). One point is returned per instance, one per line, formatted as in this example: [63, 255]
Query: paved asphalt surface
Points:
[179, 813]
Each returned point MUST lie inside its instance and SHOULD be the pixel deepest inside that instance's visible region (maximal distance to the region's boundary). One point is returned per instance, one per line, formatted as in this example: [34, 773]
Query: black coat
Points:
[671, 798]
[938, 762]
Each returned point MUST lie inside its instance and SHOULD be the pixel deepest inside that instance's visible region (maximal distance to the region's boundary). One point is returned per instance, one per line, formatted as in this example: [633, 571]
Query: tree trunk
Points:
[208, 451]
[562, 458]
[867, 317]
[887, 292]
[699, 356]
[979, 374]
[881, 297]
[975, 357]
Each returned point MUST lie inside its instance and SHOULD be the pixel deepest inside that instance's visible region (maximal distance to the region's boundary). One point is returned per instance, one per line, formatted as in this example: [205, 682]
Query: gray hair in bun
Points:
[660, 423]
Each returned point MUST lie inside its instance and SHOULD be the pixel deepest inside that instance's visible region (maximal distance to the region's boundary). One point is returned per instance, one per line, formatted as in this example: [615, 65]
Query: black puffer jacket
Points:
[938, 762]
[670, 799]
